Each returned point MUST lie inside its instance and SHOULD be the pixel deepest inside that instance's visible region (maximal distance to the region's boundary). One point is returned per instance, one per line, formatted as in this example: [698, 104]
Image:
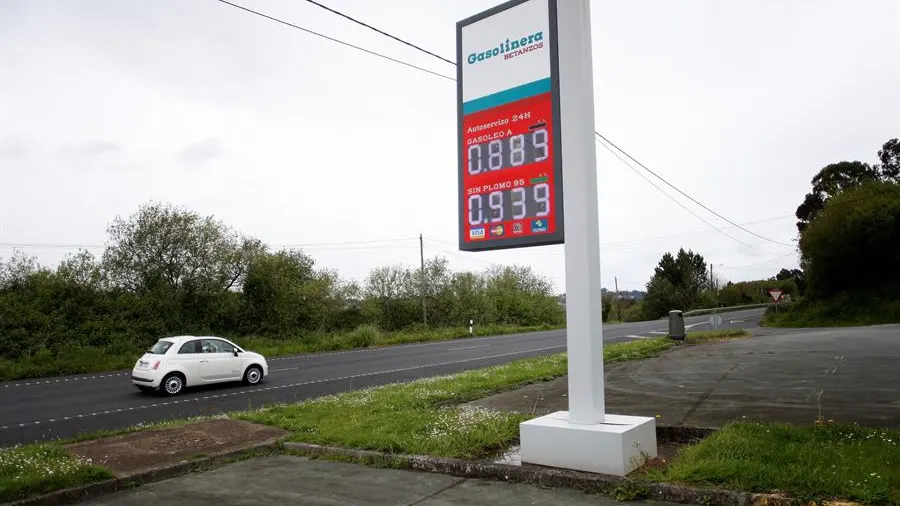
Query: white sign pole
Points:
[585, 438]
[584, 323]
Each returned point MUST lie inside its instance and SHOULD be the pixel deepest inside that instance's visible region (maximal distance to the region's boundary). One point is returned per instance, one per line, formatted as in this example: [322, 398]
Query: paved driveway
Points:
[850, 374]
[296, 480]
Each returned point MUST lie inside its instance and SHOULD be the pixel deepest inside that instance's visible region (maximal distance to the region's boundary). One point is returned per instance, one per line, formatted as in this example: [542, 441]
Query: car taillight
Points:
[156, 365]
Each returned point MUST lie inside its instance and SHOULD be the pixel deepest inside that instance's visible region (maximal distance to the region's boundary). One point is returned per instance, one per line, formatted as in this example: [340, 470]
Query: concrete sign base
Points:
[617, 446]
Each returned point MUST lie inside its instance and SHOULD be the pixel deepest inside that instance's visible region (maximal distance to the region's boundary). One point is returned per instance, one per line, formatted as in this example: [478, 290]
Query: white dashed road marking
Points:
[276, 359]
[64, 380]
[281, 387]
[468, 347]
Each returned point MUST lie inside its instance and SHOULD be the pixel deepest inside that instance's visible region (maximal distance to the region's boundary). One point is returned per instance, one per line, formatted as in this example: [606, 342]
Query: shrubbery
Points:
[167, 270]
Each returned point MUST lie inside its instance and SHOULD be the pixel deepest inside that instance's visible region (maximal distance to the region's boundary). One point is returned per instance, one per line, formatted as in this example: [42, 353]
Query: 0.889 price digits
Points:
[508, 152]
[514, 204]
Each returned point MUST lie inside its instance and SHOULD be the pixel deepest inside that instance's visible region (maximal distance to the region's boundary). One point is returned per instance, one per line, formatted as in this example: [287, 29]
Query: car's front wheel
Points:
[253, 375]
[172, 384]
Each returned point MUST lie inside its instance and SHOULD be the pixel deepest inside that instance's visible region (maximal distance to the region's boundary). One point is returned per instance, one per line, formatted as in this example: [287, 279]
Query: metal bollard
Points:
[676, 324]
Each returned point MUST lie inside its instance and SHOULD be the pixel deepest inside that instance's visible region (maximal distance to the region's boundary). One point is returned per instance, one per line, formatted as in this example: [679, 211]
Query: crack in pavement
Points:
[439, 492]
[706, 395]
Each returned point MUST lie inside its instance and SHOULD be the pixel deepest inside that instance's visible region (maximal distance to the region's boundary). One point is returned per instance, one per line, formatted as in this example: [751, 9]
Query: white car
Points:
[174, 363]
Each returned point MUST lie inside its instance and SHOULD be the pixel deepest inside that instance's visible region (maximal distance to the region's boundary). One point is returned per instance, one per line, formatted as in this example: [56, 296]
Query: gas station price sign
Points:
[510, 175]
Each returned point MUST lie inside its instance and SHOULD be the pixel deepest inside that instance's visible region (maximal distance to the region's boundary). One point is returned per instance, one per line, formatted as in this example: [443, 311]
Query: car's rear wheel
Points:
[253, 375]
[172, 384]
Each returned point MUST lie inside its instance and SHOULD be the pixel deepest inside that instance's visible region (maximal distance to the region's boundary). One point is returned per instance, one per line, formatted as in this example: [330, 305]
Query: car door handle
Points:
[204, 360]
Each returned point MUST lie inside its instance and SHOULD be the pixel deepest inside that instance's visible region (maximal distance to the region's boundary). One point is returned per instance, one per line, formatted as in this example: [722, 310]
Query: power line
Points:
[597, 133]
[370, 27]
[679, 203]
[382, 32]
[458, 254]
[768, 262]
[348, 245]
[618, 245]
[688, 196]
[317, 34]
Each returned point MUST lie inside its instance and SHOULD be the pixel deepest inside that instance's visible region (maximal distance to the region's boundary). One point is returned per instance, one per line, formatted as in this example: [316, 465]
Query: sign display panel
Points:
[510, 175]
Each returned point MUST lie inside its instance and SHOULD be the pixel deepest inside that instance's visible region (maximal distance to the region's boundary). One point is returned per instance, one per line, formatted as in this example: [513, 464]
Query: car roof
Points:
[181, 339]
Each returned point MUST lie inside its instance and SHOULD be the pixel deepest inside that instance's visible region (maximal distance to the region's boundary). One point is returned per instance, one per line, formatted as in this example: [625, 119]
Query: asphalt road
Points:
[63, 407]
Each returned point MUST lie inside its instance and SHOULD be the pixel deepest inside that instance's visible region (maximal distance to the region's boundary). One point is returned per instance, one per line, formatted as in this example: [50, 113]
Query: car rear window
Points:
[160, 347]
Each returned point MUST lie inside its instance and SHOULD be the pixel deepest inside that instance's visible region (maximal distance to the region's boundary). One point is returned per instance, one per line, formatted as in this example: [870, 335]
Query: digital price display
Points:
[510, 175]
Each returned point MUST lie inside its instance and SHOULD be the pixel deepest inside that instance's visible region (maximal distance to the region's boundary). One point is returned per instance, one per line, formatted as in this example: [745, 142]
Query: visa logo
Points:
[476, 233]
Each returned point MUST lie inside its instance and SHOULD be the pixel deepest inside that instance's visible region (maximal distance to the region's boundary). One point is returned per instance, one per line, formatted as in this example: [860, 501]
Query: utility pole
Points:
[711, 278]
[422, 260]
[618, 300]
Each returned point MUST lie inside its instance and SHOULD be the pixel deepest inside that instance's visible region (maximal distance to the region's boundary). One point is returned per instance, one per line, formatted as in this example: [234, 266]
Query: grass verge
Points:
[428, 416]
[38, 469]
[86, 360]
[810, 463]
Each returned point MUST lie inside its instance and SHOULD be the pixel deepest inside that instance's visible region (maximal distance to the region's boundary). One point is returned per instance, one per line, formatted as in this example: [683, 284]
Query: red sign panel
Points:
[509, 182]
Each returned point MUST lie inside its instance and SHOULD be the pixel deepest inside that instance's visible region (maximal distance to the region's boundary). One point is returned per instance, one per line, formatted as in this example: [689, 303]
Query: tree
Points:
[889, 156]
[520, 296]
[836, 178]
[677, 283]
[16, 271]
[81, 269]
[796, 274]
[851, 247]
[829, 182]
[285, 294]
[167, 248]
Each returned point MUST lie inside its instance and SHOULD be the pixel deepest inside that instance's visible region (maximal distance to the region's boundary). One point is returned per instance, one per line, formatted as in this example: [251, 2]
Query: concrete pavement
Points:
[297, 480]
[844, 374]
[51, 408]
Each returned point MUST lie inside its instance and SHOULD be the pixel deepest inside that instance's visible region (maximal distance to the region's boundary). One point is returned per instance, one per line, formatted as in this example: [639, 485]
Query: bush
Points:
[363, 336]
[842, 310]
[170, 271]
[851, 245]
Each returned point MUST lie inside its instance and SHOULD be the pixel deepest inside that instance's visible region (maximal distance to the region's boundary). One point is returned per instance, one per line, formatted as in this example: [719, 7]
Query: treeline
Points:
[849, 239]
[168, 270]
[682, 281]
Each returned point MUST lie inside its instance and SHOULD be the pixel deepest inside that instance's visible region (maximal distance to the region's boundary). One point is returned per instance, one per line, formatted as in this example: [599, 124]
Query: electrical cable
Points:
[386, 34]
[382, 32]
[322, 35]
[688, 196]
[679, 203]
[354, 245]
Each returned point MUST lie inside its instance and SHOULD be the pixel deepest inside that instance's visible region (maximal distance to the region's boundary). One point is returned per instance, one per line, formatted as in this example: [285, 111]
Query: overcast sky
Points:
[107, 104]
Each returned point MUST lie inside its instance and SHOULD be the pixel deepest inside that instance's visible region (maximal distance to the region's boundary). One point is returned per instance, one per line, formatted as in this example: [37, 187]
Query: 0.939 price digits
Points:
[515, 204]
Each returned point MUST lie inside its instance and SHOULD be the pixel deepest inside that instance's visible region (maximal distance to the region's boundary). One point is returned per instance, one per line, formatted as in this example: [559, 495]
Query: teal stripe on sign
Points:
[506, 96]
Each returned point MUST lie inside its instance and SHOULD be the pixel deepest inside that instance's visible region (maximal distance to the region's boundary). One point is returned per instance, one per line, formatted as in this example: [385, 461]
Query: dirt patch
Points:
[129, 454]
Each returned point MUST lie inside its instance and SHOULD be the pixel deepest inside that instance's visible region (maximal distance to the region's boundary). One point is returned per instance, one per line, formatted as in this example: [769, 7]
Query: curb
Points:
[93, 490]
[533, 475]
[626, 488]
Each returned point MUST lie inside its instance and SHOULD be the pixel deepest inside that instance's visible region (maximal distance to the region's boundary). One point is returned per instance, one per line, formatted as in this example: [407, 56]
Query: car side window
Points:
[190, 347]
[216, 346]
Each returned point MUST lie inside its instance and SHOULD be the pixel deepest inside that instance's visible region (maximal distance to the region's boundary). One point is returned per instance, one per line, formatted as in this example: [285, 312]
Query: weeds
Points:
[39, 469]
[812, 463]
